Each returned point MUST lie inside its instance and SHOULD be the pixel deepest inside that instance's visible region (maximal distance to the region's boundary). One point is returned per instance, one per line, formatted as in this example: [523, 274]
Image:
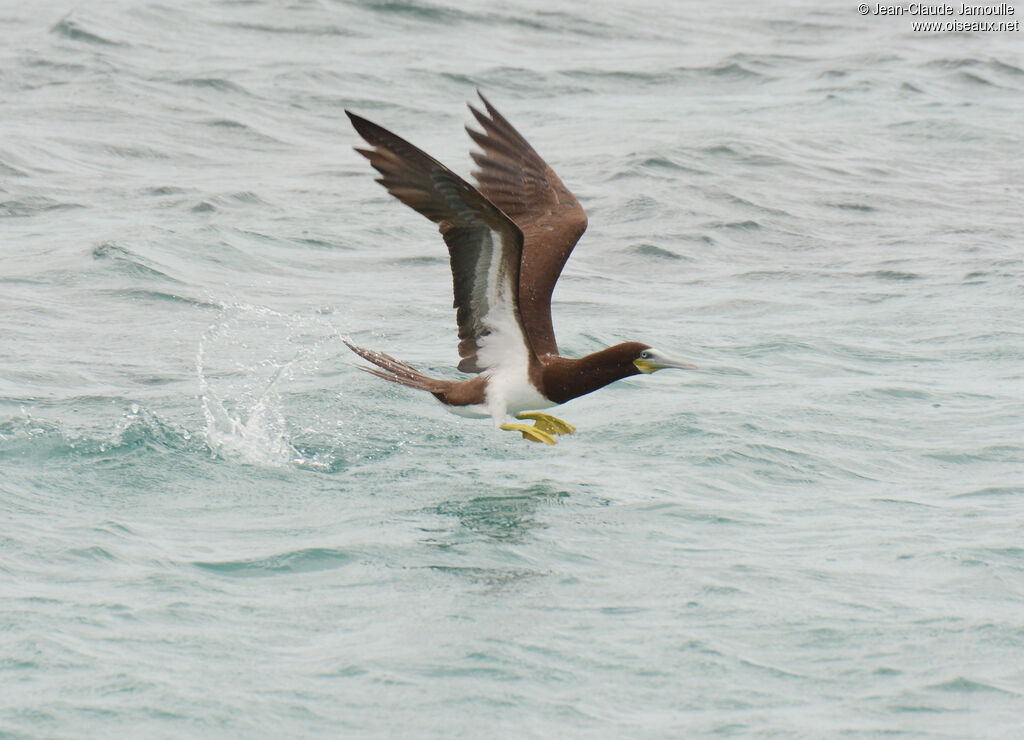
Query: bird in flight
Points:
[508, 239]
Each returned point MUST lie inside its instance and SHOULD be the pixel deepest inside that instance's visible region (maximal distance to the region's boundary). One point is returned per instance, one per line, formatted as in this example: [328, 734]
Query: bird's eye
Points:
[644, 355]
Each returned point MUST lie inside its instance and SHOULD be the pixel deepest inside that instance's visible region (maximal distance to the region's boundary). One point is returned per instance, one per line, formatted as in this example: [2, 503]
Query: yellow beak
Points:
[655, 360]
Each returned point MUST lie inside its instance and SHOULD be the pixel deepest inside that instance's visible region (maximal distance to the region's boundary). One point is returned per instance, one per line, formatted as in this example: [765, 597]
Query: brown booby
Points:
[508, 239]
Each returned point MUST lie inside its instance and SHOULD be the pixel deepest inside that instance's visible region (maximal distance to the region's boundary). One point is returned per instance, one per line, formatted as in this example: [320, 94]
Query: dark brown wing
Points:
[515, 179]
[485, 246]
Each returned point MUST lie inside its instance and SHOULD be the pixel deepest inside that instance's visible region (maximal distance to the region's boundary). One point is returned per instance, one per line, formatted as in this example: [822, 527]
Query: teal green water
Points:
[215, 526]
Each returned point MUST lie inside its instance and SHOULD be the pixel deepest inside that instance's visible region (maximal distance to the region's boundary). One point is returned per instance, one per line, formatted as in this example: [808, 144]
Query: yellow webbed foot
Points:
[547, 423]
[531, 433]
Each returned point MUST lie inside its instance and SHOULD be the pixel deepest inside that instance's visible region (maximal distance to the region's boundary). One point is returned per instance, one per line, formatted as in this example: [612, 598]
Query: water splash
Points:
[244, 362]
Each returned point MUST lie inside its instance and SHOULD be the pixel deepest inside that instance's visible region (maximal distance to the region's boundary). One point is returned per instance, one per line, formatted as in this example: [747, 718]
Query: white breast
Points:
[508, 393]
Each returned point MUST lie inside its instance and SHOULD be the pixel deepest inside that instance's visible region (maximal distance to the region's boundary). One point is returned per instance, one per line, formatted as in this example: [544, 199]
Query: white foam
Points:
[243, 363]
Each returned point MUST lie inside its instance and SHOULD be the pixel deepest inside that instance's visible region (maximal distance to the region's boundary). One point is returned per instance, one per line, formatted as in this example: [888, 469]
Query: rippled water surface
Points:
[215, 526]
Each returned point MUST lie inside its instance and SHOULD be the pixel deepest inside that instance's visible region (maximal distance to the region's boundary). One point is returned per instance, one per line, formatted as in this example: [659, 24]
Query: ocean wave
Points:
[73, 30]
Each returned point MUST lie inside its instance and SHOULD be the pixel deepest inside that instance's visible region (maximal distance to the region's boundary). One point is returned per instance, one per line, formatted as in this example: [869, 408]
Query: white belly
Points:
[507, 393]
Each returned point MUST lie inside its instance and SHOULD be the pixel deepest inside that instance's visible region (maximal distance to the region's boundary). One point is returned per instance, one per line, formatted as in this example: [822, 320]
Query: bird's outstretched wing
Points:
[513, 177]
[484, 244]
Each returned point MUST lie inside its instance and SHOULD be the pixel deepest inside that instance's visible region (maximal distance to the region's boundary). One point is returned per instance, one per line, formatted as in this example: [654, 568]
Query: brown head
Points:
[565, 379]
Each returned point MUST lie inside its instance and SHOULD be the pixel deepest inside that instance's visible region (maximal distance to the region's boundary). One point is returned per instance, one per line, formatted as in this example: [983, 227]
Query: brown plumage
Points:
[508, 239]
[515, 179]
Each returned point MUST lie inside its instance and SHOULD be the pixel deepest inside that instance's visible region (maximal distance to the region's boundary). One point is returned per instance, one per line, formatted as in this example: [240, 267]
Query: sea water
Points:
[214, 525]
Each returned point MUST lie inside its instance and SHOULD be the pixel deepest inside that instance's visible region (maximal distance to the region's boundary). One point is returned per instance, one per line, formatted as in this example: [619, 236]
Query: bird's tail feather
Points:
[394, 370]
